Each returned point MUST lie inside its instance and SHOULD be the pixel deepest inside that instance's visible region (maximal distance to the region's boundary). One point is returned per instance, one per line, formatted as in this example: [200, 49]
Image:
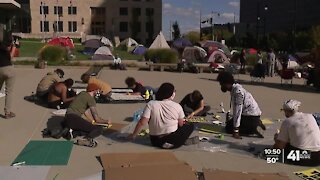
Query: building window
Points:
[58, 10]
[149, 11]
[44, 27]
[149, 27]
[95, 11]
[72, 10]
[136, 11]
[123, 26]
[123, 11]
[45, 9]
[72, 26]
[58, 27]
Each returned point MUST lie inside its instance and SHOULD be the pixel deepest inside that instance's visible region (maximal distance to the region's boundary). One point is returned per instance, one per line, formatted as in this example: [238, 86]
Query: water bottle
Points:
[222, 108]
[147, 95]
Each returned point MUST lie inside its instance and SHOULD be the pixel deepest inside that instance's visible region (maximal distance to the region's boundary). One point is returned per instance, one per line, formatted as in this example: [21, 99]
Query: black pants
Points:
[79, 124]
[59, 103]
[177, 138]
[42, 96]
[248, 125]
[187, 111]
[313, 161]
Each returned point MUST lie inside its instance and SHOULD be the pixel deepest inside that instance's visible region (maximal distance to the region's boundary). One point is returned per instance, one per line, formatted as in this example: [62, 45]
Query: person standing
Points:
[271, 59]
[246, 112]
[298, 132]
[243, 60]
[7, 74]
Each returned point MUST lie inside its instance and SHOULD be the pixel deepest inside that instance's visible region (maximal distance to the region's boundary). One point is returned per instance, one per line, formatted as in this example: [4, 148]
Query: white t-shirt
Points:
[301, 131]
[163, 116]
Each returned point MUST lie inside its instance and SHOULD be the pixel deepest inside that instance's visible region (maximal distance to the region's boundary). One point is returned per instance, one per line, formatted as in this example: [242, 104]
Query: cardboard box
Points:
[140, 166]
[230, 175]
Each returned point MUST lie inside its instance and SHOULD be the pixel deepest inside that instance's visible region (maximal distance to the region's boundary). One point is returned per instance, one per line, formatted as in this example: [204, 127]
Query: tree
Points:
[176, 30]
[193, 36]
[315, 35]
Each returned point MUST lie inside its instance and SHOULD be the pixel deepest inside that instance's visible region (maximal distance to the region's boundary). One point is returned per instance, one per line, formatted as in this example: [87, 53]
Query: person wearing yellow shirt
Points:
[105, 88]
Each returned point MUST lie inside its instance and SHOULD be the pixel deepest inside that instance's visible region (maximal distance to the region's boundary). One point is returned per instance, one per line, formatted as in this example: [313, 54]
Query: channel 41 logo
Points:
[297, 155]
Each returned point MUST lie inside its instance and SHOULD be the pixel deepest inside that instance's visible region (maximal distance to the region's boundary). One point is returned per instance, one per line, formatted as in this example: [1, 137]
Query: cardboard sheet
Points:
[24, 172]
[125, 97]
[121, 90]
[154, 172]
[115, 160]
[231, 175]
[138, 166]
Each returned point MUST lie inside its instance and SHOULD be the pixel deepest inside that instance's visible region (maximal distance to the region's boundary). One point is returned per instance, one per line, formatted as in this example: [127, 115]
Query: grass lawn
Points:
[30, 48]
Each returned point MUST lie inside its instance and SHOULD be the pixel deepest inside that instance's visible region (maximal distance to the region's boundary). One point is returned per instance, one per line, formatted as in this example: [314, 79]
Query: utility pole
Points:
[200, 25]
[234, 23]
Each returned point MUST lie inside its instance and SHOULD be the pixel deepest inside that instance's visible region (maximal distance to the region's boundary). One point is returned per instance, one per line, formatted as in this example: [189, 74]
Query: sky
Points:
[187, 13]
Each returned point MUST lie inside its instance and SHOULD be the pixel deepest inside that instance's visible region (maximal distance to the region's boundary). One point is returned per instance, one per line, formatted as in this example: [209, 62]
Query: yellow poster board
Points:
[309, 174]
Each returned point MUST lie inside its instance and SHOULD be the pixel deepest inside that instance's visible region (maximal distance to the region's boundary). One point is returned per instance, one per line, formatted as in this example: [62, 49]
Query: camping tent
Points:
[90, 46]
[139, 50]
[160, 42]
[292, 62]
[181, 43]
[103, 53]
[219, 57]
[128, 44]
[105, 41]
[212, 46]
[62, 41]
[193, 55]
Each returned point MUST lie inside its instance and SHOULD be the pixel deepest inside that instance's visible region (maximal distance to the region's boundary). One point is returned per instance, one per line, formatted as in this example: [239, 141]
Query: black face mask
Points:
[223, 89]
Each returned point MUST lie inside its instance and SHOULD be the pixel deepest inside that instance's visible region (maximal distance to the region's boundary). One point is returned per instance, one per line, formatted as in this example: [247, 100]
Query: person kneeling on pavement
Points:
[105, 88]
[193, 105]
[61, 95]
[46, 82]
[81, 115]
[299, 131]
[246, 112]
[166, 121]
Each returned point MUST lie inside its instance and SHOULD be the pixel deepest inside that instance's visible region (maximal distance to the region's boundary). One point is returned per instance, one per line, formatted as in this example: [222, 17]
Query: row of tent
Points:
[101, 48]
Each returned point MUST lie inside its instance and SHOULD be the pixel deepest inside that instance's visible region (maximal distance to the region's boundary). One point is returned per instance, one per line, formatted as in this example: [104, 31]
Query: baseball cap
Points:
[291, 105]
[92, 87]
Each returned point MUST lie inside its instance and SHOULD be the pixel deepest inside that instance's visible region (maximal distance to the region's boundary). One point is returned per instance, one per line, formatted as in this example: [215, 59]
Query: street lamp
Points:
[266, 8]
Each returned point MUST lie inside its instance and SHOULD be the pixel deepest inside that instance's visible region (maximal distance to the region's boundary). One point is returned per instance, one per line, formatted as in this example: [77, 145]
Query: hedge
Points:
[162, 55]
[53, 53]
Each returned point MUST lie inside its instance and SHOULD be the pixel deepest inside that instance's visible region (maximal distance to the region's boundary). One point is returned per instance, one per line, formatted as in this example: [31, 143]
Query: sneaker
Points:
[167, 146]
[89, 142]
[193, 140]
[9, 115]
[260, 132]
[69, 135]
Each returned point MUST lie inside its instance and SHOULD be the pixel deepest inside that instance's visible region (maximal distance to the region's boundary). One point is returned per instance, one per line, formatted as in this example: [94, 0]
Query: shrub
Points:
[53, 54]
[162, 55]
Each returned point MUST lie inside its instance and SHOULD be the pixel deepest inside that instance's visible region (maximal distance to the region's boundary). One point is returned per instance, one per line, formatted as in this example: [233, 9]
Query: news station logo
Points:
[279, 155]
[297, 155]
